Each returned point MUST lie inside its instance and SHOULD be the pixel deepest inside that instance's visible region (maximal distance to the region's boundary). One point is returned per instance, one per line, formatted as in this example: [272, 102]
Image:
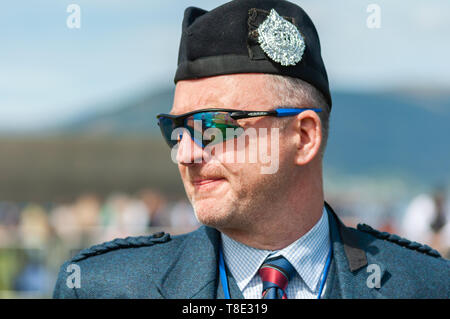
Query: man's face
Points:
[226, 194]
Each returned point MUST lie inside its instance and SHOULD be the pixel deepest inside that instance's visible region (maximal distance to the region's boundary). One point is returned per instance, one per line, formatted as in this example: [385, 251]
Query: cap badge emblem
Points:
[281, 40]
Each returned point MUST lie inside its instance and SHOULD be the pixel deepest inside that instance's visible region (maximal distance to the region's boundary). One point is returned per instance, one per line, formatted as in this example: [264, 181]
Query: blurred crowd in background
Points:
[36, 239]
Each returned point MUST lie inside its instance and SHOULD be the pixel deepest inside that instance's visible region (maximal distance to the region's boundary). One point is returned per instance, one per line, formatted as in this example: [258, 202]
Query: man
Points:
[255, 65]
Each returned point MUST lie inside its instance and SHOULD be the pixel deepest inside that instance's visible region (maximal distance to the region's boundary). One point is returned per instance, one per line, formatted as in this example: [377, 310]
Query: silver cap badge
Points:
[281, 40]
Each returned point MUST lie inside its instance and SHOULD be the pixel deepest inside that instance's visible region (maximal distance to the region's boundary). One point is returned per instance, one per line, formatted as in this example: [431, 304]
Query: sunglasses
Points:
[221, 119]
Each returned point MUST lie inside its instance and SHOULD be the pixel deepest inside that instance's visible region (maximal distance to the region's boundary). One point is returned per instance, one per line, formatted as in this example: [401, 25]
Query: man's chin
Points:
[212, 215]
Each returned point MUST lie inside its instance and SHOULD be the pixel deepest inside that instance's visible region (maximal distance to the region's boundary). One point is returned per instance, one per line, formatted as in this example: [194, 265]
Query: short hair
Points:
[296, 92]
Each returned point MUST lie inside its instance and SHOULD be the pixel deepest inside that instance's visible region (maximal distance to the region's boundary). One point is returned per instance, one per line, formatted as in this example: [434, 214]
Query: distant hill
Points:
[391, 134]
[135, 116]
[372, 134]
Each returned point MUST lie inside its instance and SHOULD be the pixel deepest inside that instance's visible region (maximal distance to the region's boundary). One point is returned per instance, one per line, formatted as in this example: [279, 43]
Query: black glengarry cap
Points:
[251, 36]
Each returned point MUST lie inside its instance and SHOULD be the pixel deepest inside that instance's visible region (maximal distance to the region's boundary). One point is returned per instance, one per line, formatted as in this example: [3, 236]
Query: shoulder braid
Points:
[424, 249]
[129, 242]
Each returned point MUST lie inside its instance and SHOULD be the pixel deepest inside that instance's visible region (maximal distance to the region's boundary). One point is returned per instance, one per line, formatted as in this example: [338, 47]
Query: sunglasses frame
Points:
[239, 114]
[178, 120]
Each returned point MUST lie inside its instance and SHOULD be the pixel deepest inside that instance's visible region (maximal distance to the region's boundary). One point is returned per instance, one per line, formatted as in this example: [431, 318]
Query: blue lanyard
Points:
[224, 279]
[325, 271]
[223, 275]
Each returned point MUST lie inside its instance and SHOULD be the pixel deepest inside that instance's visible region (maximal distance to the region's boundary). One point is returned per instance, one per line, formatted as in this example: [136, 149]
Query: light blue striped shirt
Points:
[308, 256]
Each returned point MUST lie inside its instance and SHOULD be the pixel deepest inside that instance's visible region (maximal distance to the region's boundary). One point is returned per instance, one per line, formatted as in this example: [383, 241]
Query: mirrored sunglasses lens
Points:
[220, 121]
[167, 126]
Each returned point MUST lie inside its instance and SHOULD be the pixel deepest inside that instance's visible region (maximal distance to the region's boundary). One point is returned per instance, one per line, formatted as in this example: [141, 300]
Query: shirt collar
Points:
[307, 255]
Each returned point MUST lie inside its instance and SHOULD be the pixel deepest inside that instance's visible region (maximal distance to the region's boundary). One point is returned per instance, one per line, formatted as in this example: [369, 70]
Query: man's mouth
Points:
[207, 182]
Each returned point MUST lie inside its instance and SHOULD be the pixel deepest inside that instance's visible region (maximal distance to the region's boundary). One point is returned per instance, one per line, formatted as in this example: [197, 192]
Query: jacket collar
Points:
[349, 271]
[194, 272]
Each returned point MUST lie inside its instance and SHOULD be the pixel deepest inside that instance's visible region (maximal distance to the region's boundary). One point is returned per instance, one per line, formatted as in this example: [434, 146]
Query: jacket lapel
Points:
[194, 272]
[235, 292]
[349, 272]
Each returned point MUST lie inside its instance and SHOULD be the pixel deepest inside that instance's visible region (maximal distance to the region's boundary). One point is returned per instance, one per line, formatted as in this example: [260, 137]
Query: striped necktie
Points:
[275, 274]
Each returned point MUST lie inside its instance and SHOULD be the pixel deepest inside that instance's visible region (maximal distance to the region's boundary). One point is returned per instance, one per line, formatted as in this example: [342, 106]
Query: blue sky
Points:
[50, 73]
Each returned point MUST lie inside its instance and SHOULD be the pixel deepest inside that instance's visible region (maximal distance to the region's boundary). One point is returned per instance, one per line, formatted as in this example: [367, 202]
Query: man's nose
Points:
[189, 152]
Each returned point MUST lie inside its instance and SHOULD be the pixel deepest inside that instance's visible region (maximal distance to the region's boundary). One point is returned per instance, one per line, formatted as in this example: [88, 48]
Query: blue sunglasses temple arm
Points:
[279, 112]
[290, 112]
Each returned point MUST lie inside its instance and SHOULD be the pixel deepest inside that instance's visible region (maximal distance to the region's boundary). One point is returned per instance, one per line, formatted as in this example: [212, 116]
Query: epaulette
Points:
[129, 242]
[424, 249]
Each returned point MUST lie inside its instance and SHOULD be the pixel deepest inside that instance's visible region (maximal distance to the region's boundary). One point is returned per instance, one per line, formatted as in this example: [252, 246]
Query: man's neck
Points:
[280, 229]
[292, 213]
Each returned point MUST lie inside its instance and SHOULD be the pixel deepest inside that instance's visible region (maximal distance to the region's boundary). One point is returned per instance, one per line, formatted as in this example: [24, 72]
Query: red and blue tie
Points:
[275, 274]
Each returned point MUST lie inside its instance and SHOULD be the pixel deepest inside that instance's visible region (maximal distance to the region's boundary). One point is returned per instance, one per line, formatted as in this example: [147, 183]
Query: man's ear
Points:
[308, 128]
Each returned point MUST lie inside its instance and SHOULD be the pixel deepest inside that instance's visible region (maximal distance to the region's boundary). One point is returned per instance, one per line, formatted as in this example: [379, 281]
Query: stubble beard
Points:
[240, 211]
[216, 214]
[247, 207]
